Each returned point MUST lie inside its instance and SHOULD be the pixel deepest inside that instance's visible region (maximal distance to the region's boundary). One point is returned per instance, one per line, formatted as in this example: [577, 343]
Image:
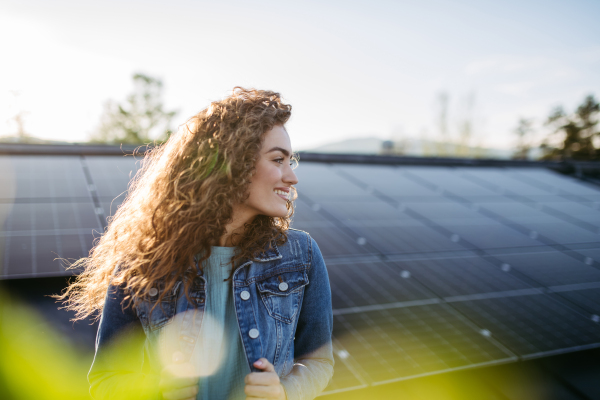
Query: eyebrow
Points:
[284, 151]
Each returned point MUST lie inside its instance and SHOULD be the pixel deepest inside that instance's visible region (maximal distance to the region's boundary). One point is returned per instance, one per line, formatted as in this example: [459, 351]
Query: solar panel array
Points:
[432, 268]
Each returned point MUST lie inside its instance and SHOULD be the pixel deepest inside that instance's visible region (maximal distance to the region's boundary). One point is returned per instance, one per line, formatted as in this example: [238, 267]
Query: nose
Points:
[290, 177]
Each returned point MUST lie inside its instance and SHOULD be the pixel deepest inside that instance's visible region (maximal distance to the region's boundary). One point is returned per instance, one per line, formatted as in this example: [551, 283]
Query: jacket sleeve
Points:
[313, 351]
[117, 369]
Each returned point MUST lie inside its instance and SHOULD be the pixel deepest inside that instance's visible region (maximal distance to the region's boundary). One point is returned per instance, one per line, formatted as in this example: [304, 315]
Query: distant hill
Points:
[415, 147]
[369, 145]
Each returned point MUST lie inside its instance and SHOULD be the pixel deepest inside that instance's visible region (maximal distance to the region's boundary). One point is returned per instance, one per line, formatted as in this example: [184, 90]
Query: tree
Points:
[141, 119]
[523, 130]
[579, 132]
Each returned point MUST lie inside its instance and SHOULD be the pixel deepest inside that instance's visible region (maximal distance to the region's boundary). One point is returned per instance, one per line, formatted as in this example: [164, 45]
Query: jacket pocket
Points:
[154, 314]
[282, 294]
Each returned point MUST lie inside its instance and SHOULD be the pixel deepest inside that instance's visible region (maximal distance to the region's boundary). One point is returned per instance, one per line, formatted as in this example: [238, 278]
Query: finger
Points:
[269, 392]
[261, 378]
[180, 394]
[264, 364]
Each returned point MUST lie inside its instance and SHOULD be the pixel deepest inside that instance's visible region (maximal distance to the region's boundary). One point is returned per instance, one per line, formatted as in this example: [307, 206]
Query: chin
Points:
[277, 213]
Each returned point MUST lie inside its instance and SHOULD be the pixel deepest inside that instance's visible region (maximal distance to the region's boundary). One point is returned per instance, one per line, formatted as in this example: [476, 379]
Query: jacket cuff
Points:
[291, 388]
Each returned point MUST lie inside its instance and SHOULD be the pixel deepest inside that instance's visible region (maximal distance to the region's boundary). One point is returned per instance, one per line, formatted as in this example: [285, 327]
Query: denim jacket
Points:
[283, 308]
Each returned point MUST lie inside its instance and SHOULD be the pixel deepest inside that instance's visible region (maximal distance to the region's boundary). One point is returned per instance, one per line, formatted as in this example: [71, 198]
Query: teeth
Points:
[281, 192]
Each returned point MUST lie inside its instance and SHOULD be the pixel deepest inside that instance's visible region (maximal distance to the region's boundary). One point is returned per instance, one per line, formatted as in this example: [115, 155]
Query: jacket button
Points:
[283, 286]
[153, 292]
[253, 333]
[245, 295]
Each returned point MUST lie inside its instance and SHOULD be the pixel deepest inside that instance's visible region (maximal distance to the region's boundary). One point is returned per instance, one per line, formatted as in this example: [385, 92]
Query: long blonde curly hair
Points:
[180, 201]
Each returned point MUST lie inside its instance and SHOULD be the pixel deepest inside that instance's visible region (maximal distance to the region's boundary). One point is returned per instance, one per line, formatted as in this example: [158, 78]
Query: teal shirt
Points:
[219, 353]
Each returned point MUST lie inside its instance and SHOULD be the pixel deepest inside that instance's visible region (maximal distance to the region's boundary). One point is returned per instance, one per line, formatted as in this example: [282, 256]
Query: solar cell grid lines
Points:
[412, 237]
[552, 268]
[446, 210]
[493, 235]
[505, 181]
[447, 179]
[346, 377]
[587, 299]
[461, 276]
[530, 325]
[394, 344]
[375, 210]
[364, 284]
[111, 175]
[551, 182]
[321, 181]
[389, 181]
[337, 240]
[584, 212]
[44, 177]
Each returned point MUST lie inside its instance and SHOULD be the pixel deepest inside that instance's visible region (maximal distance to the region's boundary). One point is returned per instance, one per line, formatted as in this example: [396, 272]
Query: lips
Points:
[282, 192]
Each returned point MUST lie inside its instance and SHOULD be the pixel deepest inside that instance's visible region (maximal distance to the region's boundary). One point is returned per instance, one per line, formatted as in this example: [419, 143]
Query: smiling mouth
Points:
[282, 194]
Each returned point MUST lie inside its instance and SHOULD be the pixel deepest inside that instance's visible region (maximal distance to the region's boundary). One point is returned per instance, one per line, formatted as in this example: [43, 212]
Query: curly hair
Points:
[180, 202]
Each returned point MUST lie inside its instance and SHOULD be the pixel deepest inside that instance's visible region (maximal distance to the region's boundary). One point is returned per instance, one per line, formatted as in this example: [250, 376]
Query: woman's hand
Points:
[178, 380]
[264, 385]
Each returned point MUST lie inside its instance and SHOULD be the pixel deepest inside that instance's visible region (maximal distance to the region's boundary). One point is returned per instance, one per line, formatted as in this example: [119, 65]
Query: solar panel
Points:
[304, 213]
[488, 236]
[344, 377]
[504, 179]
[449, 277]
[388, 181]
[403, 237]
[532, 325]
[431, 268]
[320, 180]
[372, 283]
[111, 174]
[554, 182]
[587, 299]
[364, 210]
[397, 343]
[445, 210]
[43, 177]
[578, 210]
[551, 268]
[592, 256]
[49, 215]
[332, 241]
[446, 179]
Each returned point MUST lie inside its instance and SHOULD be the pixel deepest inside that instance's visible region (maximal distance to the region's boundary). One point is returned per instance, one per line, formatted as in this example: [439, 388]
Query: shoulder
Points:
[297, 234]
[301, 238]
[305, 243]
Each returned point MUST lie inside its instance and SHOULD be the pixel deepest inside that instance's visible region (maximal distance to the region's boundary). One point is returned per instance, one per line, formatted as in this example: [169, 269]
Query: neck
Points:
[235, 229]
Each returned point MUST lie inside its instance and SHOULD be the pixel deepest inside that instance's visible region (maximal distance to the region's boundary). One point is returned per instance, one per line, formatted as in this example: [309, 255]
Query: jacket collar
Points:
[269, 254]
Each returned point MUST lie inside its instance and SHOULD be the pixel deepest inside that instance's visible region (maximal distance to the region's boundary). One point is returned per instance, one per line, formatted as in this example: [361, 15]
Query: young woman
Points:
[204, 290]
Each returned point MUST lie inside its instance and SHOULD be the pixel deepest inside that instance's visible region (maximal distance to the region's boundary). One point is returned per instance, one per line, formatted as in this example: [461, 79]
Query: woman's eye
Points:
[279, 160]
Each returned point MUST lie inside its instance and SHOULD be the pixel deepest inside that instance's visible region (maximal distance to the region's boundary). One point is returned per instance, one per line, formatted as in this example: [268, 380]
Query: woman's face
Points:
[270, 185]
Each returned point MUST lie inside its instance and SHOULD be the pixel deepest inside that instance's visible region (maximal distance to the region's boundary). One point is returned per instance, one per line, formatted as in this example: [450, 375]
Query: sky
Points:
[350, 69]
